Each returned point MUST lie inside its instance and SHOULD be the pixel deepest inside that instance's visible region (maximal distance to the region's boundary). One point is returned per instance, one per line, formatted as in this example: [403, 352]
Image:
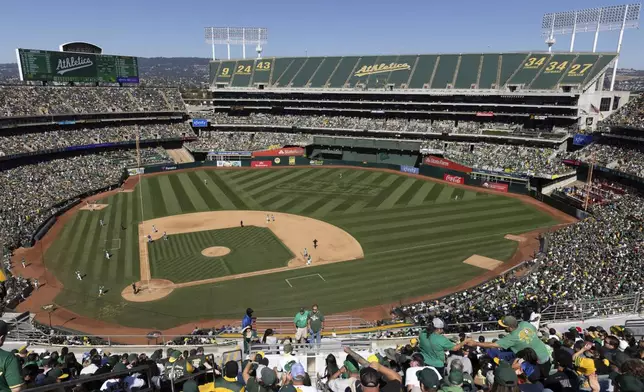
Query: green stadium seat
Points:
[423, 71]
[279, 66]
[468, 71]
[554, 71]
[324, 72]
[602, 63]
[263, 69]
[362, 71]
[243, 73]
[290, 72]
[489, 71]
[510, 62]
[225, 72]
[400, 77]
[306, 72]
[444, 74]
[343, 71]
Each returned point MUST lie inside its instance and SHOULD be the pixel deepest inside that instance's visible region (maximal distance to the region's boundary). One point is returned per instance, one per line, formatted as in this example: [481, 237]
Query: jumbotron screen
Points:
[50, 66]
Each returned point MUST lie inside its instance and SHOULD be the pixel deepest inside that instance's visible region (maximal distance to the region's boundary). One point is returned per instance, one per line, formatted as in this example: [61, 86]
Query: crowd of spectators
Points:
[598, 257]
[629, 115]
[32, 192]
[500, 157]
[40, 100]
[45, 140]
[621, 158]
[361, 123]
[247, 141]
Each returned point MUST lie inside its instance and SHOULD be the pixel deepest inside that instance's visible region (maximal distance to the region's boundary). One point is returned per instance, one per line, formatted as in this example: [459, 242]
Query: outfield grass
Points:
[414, 233]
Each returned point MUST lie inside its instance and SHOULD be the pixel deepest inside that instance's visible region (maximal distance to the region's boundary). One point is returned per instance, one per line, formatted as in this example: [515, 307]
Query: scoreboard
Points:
[50, 66]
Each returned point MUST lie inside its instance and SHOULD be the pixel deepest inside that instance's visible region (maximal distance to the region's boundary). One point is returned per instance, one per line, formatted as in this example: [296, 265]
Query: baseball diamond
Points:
[401, 224]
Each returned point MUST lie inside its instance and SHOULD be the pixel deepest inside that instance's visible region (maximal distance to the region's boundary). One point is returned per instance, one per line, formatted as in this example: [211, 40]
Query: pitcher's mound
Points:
[215, 251]
[148, 290]
[483, 262]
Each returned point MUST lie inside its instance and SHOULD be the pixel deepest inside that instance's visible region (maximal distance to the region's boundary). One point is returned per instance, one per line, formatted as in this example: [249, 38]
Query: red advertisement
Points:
[497, 186]
[445, 164]
[484, 114]
[261, 163]
[453, 179]
[281, 152]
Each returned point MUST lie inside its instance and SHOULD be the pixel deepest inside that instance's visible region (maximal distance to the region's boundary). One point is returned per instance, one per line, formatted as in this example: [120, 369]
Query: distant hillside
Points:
[192, 72]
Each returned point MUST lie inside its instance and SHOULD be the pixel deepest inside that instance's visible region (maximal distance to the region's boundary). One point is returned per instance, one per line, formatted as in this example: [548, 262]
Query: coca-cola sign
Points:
[445, 163]
[495, 185]
[453, 179]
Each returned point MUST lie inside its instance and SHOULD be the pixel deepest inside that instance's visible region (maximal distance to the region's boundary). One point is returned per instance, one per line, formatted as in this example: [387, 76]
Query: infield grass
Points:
[415, 235]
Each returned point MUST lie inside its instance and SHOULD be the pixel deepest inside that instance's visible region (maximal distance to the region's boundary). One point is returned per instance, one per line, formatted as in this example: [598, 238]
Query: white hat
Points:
[438, 323]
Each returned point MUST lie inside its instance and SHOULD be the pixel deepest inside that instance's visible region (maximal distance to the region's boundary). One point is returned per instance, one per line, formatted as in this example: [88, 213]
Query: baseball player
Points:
[273, 217]
[241, 223]
[306, 252]
[149, 238]
[24, 264]
[268, 218]
[340, 175]
[315, 243]
[165, 236]
[107, 255]
[79, 276]
[101, 291]
[308, 260]
[36, 284]
[154, 229]
[100, 221]
[205, 182]
[134, 288]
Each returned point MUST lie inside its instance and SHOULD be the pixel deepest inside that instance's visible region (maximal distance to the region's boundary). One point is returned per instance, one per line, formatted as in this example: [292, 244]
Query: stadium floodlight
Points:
[237, 36]
[614, 17]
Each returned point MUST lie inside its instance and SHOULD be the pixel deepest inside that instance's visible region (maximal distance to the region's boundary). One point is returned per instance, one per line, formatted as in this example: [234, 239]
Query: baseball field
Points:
[235, 238]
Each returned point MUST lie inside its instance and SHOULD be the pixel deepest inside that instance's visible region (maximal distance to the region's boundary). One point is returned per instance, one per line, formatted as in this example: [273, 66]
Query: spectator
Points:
[433, 345]
[301, 321]
[229, 381]
[263, 381]
[10, 375]
[316, 325]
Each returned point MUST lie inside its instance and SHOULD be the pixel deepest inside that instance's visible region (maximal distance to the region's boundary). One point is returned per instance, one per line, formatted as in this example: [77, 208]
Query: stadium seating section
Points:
[528, 70]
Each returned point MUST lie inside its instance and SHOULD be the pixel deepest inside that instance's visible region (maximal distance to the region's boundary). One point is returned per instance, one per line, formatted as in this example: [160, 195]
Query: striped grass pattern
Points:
[415, 235]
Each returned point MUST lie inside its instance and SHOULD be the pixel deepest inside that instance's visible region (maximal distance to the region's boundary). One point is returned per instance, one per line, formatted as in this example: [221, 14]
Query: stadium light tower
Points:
[614, 17]
[237, 36]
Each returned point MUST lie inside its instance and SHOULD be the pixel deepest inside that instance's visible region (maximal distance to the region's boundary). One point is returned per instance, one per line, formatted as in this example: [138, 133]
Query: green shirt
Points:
[10, 376]
[433, 348]
[301, 319]
[253, 386]
[316, 320]
[522, 337]
[225, 384]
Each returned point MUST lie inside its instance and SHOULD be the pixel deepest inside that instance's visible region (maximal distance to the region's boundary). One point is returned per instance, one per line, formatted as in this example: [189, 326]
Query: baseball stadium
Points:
[401, 195]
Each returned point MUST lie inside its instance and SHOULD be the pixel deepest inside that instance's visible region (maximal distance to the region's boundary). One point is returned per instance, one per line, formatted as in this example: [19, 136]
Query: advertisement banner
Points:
[229, 164]
[408, 169]
[282, 152]
[225, 153]
[572, 162]
[168, 168]
[316, 162]
[135, 171]
[261, 164]
[484, 114]
[497, 186]
[581, 139]
[445, 164]
[199, 122]
[291, 161]
[453, 179]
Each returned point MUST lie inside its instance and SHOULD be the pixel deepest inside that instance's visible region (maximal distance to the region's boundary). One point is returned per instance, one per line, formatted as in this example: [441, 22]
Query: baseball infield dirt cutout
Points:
[215, 251]
[483, 262]
[516, 238]
[93, 207]
[296, 232]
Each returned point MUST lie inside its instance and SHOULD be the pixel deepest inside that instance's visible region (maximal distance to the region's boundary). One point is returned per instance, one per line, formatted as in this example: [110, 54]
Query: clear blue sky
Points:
[328, 27]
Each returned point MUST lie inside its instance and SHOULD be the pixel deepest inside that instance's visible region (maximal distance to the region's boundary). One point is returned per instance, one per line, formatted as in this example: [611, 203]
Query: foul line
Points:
[303, 276]
[448, 242]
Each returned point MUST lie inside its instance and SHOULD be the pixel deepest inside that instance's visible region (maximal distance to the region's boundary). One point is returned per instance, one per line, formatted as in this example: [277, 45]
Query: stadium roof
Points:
[486, 71]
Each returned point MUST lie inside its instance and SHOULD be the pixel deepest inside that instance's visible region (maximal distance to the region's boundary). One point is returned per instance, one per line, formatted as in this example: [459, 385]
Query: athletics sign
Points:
[50, 66]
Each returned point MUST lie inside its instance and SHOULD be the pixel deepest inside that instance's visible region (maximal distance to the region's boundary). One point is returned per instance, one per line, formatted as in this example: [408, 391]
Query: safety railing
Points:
[284, 326]
[595, 308]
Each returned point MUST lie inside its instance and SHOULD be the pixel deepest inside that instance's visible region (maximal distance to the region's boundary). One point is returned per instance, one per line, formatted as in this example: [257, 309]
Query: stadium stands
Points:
[630, 115]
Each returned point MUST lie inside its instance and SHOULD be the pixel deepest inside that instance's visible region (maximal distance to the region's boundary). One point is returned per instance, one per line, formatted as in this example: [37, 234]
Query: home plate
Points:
[483, 262]
[516, 238]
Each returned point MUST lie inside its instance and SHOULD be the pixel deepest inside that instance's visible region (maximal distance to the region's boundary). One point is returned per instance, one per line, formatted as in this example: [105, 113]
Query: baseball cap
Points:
[509, 322]
[58, 374]
[438, 323]
[351, 368]
[428, 378]
[268, 376]
[132, 358]
[369, 377]
[249, 311]
[4, 328]
[413, 342]
[455, 377]
[174, 356]
[297, 371]
[289, 365]
[505, 375]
